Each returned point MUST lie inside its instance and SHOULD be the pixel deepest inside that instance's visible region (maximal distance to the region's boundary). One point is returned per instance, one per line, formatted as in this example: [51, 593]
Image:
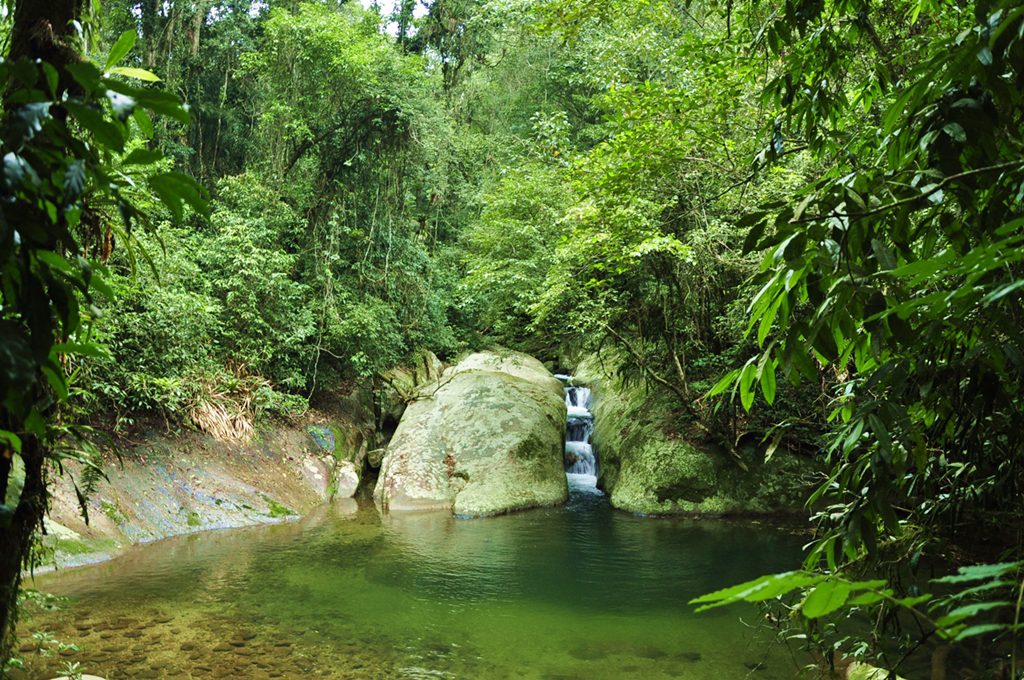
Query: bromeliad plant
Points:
[70, 191]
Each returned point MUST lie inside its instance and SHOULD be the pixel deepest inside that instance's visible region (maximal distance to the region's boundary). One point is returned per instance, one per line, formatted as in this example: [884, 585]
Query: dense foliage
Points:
[70, 179]
[800, 221]
[334, 171]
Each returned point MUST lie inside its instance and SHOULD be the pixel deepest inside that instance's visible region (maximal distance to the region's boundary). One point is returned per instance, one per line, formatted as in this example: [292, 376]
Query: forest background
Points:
[798, 222]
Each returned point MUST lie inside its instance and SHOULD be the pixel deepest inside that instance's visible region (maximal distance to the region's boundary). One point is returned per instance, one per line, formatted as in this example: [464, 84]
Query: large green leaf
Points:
[106, 133]
[137, 73]
[827, 597]
[758, 590]
[121, 48]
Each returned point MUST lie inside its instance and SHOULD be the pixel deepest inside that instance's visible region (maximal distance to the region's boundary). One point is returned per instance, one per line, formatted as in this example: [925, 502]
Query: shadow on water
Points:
[585, 555]
[576, 591]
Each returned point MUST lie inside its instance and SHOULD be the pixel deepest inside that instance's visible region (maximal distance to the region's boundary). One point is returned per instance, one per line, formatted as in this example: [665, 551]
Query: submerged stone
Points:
[863, 671]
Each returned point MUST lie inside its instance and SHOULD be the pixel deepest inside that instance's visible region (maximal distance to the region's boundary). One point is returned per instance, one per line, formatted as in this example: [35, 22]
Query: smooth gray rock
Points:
[486, 438]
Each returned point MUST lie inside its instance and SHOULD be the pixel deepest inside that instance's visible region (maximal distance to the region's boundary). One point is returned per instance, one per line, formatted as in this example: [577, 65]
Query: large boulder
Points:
[402, 385]
[648, 466]
[484, 439]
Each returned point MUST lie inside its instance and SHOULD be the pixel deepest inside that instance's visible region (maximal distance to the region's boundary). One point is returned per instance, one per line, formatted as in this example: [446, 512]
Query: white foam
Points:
[582, 482]
[579, 412]
[579, 448]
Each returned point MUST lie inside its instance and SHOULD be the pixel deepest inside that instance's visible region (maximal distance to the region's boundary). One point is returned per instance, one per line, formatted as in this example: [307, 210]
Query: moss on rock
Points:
[647, 468]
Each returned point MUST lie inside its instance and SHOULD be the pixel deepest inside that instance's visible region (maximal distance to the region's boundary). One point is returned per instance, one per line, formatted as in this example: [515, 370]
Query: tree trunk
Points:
[198, 19]
[16, 538]
[44, 31]
[150, 32]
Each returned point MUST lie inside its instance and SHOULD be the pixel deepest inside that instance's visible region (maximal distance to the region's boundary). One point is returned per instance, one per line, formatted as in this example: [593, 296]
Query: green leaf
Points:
[747, 385]
[56, 379]
[912, 601]
[853, 438]
[35, 423]
[1002, 291]
[768, 381]
[81, 348]
[773, 445]
[26, 121]
[726, 381]
[967, 611]
[137, 73]
[866, 598]
[144, 122]
[176, 189]
[981, 629]
[86, 74]
[826, 597]
[956, 131]
[12, 440]
[55, 261]
[121, 48]
[768, 318]
[101, 286]
[758, 222]
[979, 572]
[107, 133]
[74, 180]
[52, 78]
[759, 589]
[143, 157]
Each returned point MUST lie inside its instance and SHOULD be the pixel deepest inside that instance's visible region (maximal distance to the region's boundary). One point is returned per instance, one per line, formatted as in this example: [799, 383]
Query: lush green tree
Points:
[322, 261]
[196, 46]
[64, 123]
[350, 131]
[511, 249]
[869, 156]
[894, 273]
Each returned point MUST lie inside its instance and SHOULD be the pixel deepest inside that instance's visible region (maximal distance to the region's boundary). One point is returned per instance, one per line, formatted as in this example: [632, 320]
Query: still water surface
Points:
[579, 591]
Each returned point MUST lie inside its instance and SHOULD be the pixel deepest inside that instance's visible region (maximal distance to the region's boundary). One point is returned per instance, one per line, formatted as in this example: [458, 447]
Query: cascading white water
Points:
[580, 462]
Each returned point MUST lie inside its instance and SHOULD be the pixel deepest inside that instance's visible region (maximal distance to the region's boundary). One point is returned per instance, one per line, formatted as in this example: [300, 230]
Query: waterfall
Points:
[580, 462]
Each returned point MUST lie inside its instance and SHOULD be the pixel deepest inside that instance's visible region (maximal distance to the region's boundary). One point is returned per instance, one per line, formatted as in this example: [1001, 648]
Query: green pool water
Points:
[579, 591]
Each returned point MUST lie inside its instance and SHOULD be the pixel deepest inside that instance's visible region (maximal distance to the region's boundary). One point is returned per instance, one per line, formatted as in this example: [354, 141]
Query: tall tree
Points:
[64, 125]
[42, 30]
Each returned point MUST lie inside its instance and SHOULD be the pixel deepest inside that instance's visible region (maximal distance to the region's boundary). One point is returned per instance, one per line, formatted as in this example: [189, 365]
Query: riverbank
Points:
[160, 484]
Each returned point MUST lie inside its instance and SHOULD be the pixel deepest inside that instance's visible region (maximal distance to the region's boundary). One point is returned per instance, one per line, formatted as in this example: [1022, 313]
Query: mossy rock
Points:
[647, 468]
[487, 439]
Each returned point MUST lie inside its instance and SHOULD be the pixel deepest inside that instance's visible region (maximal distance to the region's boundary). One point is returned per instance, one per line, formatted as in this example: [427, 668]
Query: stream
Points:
[579, 591]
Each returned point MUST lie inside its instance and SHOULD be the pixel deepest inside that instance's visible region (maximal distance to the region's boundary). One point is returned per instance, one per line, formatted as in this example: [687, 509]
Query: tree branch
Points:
[911, 199]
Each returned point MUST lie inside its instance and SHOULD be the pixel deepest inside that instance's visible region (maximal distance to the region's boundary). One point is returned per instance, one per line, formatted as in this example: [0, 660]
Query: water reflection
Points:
[576, 591]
